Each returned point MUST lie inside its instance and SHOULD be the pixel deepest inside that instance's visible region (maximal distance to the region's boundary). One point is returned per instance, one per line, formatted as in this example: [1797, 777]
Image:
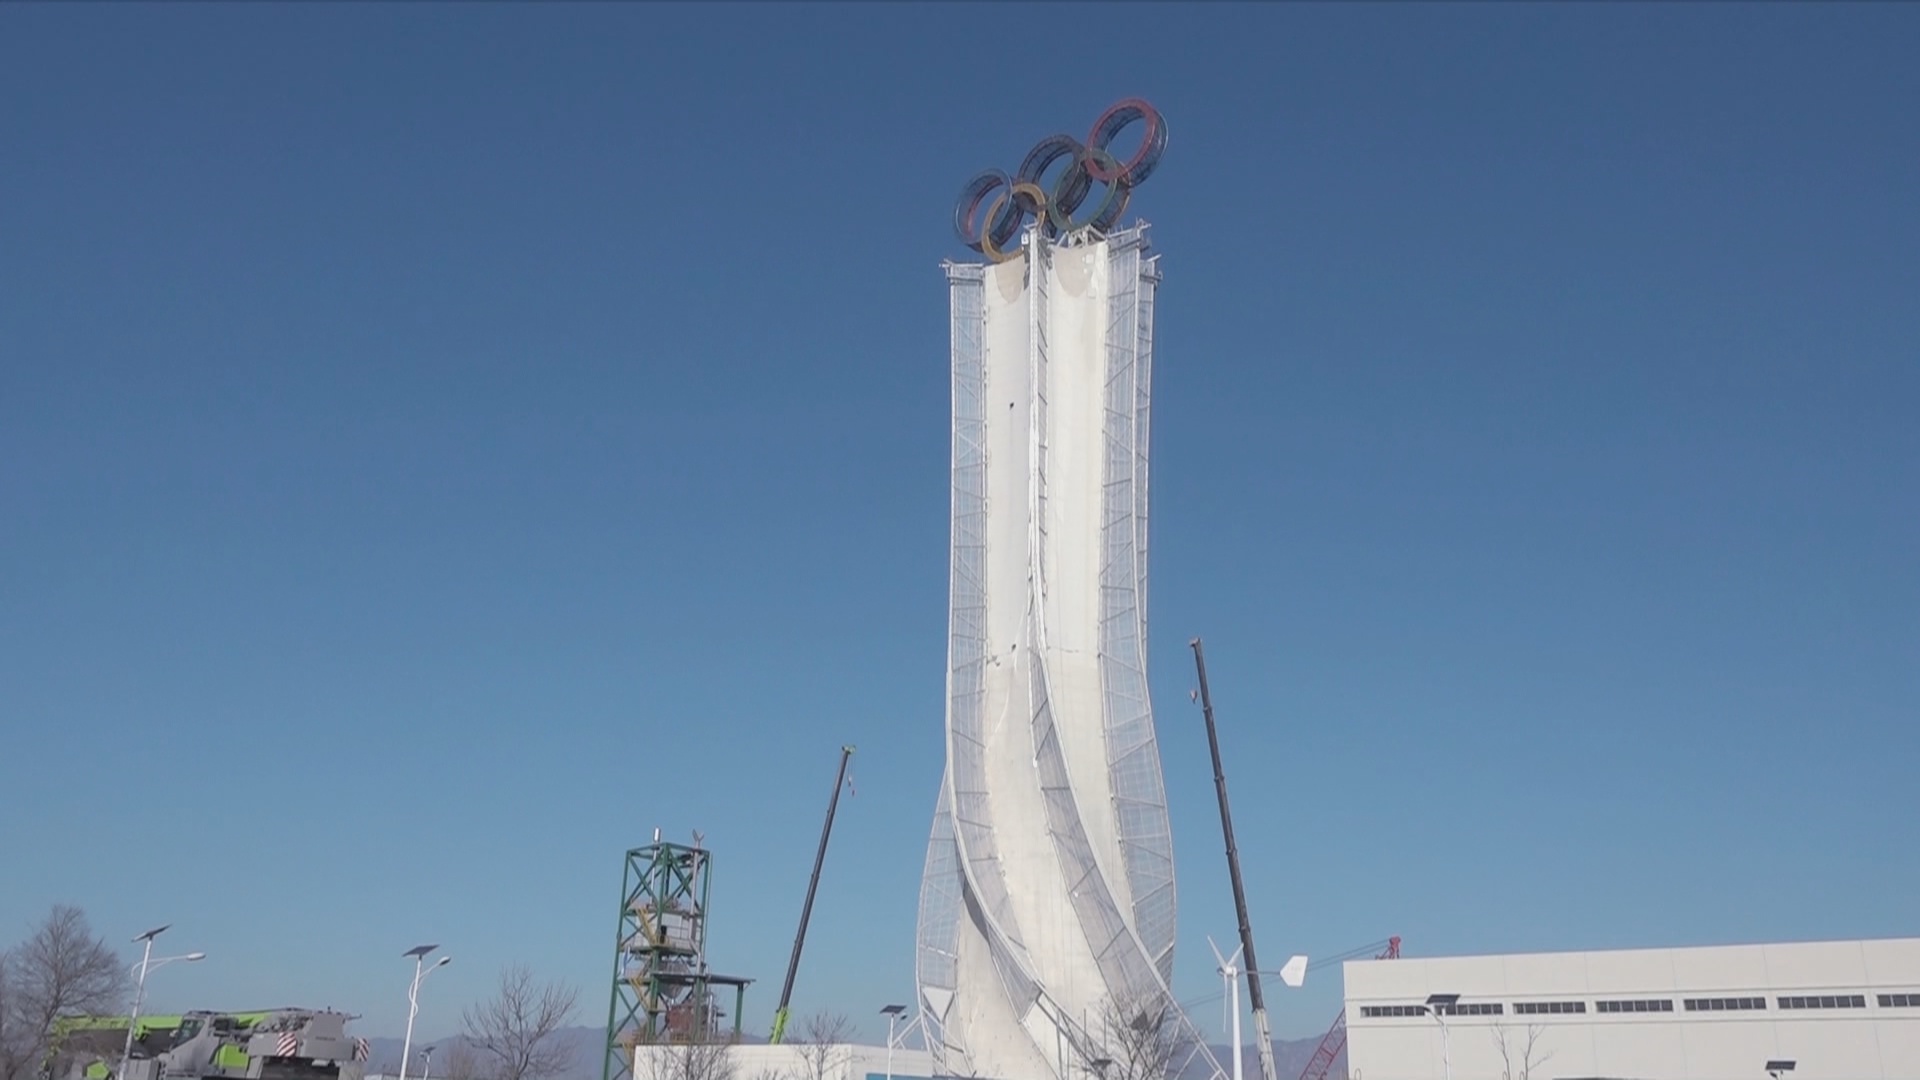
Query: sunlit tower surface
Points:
[662, 988]
[1047, 909]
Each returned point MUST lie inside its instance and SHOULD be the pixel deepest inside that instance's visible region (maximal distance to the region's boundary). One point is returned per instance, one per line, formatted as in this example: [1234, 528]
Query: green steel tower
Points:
[662, 989]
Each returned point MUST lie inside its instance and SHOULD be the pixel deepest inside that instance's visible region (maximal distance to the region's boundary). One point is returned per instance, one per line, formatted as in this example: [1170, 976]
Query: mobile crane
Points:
[806, 910]
[271, 1044]
[1262, 1028]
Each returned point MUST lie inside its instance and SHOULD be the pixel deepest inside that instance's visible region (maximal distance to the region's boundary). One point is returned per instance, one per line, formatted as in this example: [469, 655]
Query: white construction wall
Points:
[1841, 1010]
[788, 1061]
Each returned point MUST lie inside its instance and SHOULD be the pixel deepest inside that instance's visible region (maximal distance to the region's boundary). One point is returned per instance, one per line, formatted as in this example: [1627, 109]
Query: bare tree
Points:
[1136, 1038]
[513, 1033]
[1521, 1054]
[697, 1060]
[461, 1062]
[9, 1038]
[823, 1045]
[62, 969]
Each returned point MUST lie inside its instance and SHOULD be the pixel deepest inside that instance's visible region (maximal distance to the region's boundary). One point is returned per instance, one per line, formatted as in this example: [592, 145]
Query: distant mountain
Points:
[586, 1046]
[1290, 1057]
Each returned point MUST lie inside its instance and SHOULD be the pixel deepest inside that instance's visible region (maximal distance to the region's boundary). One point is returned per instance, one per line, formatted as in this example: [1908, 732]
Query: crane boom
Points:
[806, 910]
[1262, 1029]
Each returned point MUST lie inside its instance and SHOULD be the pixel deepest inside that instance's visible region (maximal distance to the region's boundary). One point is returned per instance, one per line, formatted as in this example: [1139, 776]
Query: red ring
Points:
[1147, 113]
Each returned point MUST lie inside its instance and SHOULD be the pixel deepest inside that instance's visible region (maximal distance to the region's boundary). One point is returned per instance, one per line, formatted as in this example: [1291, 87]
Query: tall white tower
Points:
[1047, 909]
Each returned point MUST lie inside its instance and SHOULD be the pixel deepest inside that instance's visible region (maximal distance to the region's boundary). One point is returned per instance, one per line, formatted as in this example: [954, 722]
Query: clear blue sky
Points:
[440, 444]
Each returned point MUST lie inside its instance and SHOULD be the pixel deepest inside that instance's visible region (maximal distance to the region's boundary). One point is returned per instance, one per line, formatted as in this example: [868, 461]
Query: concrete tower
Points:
[1047, 910]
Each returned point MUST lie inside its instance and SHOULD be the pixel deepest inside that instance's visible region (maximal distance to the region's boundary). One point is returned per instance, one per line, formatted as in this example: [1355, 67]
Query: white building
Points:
[787, 1061]
[1837, 1010]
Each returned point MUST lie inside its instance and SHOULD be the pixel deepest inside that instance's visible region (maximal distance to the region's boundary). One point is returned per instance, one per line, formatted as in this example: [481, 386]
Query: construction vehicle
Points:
[1262, 1028]
[270, 1044]
[806, 910]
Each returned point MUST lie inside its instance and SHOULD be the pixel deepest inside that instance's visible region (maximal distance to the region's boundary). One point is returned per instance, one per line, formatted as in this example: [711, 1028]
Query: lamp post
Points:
[426, 1063]
[147, 962]
[1439, 1003]
[420, 972]
[892, 1013]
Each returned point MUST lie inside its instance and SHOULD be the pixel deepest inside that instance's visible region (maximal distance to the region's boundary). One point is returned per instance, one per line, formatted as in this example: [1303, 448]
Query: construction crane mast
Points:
[1262, 1029]
[1335, 1039]
[806, 910]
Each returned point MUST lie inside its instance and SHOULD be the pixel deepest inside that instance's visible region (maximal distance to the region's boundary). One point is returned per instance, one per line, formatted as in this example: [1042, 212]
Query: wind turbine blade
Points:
[1221, 960]
[1295, 971]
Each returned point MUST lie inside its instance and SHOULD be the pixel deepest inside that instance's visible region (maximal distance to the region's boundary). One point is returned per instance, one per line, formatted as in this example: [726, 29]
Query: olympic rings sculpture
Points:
[994, 206]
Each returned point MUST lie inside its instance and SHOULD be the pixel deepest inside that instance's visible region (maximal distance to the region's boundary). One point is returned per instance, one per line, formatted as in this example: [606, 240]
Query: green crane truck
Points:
[272, 1044]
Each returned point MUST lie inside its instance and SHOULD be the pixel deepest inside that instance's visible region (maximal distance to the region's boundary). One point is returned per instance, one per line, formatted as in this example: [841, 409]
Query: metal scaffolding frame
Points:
[662, 988]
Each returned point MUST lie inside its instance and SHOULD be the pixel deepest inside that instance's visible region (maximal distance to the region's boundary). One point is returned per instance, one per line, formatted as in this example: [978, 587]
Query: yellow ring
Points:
[1028, 188]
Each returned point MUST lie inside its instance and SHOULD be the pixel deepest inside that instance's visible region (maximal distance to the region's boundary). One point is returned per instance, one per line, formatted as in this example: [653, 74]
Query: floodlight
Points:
[1439, 1004]
[892, 1013]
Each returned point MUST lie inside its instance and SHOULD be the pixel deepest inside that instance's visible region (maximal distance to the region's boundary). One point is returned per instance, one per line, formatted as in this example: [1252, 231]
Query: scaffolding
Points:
[663, 991]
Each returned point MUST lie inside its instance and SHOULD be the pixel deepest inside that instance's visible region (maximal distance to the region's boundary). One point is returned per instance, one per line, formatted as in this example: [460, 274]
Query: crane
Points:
[1262, 1029]
[1335, 1039]
[806, 910]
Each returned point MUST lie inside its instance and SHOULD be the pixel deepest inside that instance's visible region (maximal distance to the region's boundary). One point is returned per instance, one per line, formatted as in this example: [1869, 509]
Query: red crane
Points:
[1336, 1038]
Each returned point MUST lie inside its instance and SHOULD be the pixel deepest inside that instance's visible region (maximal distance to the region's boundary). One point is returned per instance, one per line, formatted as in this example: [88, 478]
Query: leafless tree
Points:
[62, 969]
[1137, 1038]
[513, 1033]
[697, 1060]
[461, 1062]
[823, 1045]
[9, 1052]
[1520, 1054]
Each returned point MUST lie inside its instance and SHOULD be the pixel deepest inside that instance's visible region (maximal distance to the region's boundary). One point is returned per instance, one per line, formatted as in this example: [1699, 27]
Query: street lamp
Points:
[420, 972]
[147, 962]
[426, 1063]
[892, 1013]
[1439, 1003]
[1775, 1068]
